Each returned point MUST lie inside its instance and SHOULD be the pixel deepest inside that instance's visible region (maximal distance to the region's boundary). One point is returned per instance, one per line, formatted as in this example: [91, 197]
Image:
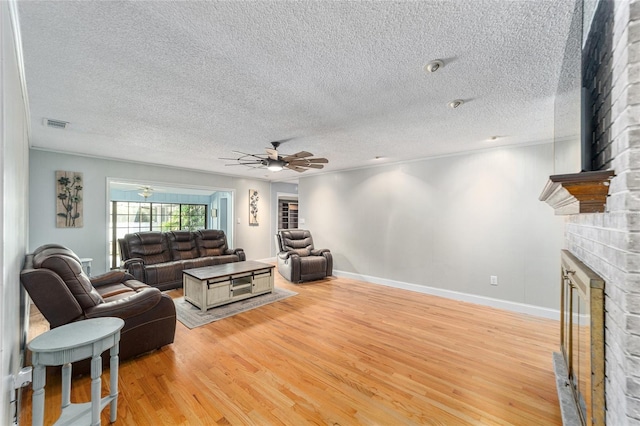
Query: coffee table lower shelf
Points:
[218, 285]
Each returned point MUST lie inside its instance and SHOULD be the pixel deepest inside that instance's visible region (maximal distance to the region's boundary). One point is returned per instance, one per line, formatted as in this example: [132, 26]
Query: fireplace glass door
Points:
[582, 337]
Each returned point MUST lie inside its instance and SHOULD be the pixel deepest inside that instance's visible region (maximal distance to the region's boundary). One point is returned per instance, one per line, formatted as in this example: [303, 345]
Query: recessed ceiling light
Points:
[434, 66]
[493, 138]
[378, 157]
[455, 103]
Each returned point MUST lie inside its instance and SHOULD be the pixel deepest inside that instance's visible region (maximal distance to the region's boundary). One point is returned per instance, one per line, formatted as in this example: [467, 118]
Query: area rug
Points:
[193, 317]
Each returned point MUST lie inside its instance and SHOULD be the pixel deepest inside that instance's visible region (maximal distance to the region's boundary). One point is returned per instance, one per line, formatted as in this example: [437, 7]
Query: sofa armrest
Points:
[135, 266]
[286, 255]
[239, 252]
[127, 307]
[132, 261]
[111, 277]
[319, 252]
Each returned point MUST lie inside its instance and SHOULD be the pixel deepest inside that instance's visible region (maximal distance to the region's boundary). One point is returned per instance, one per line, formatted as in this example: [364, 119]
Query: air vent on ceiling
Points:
[56, 124]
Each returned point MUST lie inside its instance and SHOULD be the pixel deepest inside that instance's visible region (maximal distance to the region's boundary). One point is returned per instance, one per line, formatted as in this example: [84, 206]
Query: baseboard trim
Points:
[522, 308]
[267, 260]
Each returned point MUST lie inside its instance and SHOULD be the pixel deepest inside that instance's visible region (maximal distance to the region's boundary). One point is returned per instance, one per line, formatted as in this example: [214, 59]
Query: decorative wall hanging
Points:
[253, 207]
[69, 210]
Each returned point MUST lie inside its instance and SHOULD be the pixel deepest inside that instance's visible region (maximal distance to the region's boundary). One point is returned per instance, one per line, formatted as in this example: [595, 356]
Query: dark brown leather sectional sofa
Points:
[158, 258]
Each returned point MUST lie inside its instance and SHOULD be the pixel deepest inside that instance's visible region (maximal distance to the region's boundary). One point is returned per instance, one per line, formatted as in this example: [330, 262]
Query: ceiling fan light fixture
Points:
[275, 165]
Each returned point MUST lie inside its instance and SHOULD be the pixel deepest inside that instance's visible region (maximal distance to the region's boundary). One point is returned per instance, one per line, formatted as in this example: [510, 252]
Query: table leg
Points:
[66, 385]
[113, 372]
[96, 382]
[39, 379]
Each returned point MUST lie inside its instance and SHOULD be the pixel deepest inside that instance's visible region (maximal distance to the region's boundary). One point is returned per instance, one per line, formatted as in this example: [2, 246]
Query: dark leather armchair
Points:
[58, 286]
[298, 260]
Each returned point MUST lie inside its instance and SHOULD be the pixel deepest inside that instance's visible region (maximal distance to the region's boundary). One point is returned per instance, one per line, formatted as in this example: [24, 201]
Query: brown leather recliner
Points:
[298, 260]
[58, 286]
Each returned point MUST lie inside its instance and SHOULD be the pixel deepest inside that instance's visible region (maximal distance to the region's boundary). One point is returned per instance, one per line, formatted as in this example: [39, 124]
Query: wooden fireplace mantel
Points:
[584, 192]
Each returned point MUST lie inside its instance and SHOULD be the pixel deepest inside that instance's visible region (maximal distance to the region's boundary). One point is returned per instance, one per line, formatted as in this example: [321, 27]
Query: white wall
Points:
[91, 239]
[13, 176]
[448, 223]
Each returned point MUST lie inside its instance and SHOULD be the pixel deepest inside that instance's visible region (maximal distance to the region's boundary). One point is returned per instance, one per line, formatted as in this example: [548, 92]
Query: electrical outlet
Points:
[494, 280]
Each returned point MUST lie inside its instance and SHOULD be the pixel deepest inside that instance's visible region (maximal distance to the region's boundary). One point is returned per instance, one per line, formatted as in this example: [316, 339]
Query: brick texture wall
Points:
[609, 243]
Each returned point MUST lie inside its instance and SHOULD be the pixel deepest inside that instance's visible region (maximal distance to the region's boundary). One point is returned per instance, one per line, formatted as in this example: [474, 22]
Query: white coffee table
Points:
[74, 342]
[217, 285]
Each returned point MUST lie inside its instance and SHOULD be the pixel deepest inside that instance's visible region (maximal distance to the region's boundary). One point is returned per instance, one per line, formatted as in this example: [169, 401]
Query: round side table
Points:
[74, 342]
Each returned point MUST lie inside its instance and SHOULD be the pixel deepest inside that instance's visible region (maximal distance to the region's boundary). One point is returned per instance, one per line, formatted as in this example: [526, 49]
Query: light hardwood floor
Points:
[341, 352]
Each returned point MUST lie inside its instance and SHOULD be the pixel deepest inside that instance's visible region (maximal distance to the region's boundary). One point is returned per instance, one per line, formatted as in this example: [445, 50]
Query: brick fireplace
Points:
[609, 242]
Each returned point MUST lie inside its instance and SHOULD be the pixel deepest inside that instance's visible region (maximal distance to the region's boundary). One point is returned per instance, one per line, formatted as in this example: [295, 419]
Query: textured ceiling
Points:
[184, 83]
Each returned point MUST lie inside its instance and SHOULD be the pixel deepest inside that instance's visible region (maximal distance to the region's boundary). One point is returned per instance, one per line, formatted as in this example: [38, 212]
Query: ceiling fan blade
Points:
[246, 154]
[273, 154]
[301, 154]
[318, 160]
[298, 161]
[314, 166]
[307, 161]
[295, 168]
[243, 164]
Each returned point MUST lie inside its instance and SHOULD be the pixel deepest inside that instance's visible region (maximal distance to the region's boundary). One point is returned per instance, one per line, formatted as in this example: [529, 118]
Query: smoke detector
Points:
[434, 66]
[455, 103]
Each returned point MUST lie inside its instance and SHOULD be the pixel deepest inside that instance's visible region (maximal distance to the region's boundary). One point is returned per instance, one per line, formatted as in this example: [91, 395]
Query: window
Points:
[128, 217]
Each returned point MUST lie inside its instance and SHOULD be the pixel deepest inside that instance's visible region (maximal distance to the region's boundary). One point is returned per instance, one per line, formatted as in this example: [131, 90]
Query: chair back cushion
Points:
[211, 242]
[182, 245]
[66, 264]
[151, 247]
[298, 240]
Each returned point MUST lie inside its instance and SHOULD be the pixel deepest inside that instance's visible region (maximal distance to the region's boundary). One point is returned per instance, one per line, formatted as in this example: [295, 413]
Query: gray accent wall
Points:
[14, 213]
[448, 223]
[91, 240]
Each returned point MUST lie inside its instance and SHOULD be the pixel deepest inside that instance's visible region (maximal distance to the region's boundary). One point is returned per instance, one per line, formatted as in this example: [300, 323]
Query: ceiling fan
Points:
[147, 191]
[273, 161]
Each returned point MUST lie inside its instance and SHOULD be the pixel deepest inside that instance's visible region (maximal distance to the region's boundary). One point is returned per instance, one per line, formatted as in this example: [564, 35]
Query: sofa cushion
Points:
[313, 265]
[200, 262]
[163, 272]
[182, 245]
[66, 264]
[211, 242]
[150, 246]
[302, 252]
[296, 239]
[225, 258]
[114, 289]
